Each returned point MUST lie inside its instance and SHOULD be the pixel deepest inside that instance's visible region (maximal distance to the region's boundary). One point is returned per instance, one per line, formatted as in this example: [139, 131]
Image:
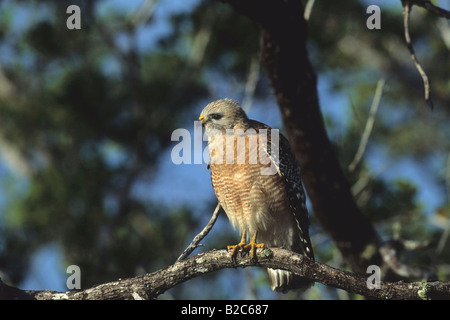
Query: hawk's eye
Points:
[216, 116]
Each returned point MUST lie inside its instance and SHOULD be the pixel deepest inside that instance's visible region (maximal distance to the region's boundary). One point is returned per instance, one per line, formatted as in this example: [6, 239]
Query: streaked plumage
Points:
[271, 207]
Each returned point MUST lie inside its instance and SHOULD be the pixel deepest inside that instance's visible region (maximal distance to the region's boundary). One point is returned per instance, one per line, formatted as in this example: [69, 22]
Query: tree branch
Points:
[391, 251]
[407, 6]
[426, 4]
[151, 285]
[369, 125]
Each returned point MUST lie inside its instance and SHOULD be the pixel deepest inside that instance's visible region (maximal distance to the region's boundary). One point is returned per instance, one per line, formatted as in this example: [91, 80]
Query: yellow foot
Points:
[251, 247]
[245, 249]
[235, 249]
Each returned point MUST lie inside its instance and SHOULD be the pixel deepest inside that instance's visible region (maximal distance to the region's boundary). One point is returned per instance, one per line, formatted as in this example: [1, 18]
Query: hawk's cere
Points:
[267, 205]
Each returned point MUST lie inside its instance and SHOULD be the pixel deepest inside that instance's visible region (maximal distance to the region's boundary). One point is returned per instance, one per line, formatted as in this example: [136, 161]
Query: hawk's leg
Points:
[246, 248]
[252, 246]
[239, 247]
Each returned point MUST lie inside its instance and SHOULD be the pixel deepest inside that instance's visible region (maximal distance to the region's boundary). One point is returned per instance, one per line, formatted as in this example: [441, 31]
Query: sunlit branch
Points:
[151, 285]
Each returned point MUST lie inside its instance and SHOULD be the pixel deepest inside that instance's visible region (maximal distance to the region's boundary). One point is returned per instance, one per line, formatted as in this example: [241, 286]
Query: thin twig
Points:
[426, 4]
[144, 13]
[199, 237]
[369, 125]
[308, 9]
[426, 83]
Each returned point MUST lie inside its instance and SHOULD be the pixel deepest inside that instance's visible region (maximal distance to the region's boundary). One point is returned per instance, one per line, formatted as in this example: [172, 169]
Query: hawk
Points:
[268, 205]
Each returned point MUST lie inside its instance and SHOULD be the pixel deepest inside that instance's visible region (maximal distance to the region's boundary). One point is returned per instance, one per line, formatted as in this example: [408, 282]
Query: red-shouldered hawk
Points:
[257, 182]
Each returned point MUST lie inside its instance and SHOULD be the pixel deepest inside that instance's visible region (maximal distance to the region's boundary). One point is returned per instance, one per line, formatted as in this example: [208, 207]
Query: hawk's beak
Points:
[203, 120]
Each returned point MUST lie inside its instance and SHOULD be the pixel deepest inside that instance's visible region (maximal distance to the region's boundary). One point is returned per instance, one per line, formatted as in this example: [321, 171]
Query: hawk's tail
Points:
[283, 281]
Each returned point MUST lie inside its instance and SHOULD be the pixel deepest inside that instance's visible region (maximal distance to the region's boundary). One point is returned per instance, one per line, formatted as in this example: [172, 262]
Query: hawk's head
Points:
[222, 115]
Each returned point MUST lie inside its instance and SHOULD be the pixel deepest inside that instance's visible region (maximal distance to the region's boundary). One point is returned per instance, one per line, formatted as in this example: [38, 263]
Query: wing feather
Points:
[278, 149]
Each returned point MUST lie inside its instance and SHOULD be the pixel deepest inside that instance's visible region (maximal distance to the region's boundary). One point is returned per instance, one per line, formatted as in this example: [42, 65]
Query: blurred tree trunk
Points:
[285, 58]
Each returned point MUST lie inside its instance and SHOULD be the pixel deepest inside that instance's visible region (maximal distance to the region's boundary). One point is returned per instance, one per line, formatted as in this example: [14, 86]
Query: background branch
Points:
[426, 4]
[199, 237]
[407, 6]
[369, 125]
[391, 251]
[151, 285]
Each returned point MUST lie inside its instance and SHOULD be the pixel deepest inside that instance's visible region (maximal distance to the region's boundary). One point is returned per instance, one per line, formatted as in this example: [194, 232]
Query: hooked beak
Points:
[203, 120]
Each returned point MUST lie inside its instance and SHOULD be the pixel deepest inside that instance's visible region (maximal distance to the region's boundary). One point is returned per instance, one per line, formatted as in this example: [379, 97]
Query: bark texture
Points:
[151, 285]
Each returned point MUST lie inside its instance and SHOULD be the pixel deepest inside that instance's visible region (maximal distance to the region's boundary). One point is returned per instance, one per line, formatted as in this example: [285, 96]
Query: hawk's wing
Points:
[279, 152]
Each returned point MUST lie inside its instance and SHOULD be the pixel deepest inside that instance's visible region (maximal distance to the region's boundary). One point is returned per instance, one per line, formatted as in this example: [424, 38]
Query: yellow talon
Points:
[246, 248]
[235, 249]
[251, 247]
